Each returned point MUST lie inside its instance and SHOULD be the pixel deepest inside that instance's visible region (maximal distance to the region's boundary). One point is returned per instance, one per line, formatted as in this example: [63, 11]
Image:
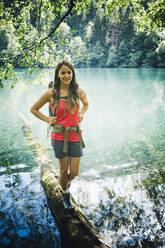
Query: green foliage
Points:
[97, 56]
[92, 34]
[160, 51]
[3, 40]
[113, 59]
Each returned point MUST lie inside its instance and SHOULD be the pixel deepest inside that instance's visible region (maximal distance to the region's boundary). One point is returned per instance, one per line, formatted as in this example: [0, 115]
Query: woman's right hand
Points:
[52, 120]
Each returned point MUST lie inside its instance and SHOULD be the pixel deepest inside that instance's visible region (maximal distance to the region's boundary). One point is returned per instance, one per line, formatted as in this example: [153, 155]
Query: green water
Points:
[122, 171]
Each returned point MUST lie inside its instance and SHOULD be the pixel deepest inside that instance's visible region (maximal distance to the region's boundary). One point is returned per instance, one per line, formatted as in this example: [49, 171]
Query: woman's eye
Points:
[63, 72]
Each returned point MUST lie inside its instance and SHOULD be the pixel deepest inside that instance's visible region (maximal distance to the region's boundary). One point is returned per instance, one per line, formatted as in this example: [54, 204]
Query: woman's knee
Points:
[74, 167]
[72, 175]
[63, 172]
[64, 163]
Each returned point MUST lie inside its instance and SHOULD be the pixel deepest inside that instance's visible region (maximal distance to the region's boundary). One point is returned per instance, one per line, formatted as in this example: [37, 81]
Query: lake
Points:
[121, 186]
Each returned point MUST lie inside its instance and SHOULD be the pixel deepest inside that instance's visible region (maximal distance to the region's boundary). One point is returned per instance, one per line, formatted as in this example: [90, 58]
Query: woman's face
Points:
[65, 75]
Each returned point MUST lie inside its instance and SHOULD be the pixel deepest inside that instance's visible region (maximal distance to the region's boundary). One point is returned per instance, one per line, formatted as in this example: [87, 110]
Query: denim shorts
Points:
[74, 149]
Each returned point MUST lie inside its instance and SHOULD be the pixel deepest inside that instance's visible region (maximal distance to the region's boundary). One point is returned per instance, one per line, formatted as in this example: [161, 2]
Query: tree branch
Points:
[72, 4]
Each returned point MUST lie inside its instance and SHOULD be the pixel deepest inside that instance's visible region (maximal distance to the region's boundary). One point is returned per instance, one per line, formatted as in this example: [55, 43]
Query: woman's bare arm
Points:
[40, 103]
[84, 100]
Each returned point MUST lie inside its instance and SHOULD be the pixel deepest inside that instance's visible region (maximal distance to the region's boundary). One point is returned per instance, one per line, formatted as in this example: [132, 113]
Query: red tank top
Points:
[67, 120]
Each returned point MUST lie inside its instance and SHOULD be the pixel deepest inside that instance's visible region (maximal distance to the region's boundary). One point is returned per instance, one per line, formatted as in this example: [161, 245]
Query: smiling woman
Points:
[65, 115]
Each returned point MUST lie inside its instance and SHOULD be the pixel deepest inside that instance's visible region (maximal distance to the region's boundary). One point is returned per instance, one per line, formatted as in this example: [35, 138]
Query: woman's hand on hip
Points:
[52, 120]
[81, 117]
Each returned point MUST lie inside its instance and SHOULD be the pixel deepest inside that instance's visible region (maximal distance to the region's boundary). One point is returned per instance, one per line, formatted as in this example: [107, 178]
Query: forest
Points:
[106, 34]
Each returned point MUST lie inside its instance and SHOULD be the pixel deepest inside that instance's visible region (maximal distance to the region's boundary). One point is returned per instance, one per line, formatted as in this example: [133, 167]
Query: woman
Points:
[64, 118]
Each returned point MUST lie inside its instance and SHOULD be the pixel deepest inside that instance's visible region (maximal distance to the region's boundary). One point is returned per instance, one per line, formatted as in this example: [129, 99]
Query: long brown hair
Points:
[73, 96]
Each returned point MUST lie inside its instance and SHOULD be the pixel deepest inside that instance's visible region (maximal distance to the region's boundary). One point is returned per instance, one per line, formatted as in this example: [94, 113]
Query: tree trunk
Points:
[75, 229]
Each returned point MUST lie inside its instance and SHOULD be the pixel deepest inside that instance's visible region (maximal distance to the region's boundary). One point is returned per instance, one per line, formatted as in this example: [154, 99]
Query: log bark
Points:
[75, 229]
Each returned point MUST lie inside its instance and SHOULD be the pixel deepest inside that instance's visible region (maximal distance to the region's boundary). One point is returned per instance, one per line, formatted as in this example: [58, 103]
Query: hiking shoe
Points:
[67, 201]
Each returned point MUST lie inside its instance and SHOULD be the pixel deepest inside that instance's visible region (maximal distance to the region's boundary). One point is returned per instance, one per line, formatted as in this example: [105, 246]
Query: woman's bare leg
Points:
[74, 168]
[69, 168]
[64, 166]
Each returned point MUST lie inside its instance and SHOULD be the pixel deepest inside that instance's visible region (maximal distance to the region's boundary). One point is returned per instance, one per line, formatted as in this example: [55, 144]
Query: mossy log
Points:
[75, 229]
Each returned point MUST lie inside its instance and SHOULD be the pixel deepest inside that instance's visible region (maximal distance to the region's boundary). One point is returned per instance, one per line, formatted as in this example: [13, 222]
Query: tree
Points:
[36, 22]
[121, 30]
[161, 54]
[96, 57]
[113, 58]
[124, 54]
[99, 27]
[160, 51]
[135, 59]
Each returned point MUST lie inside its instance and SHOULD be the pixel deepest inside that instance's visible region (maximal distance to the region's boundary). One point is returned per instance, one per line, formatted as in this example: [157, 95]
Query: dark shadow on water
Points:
[25, 219]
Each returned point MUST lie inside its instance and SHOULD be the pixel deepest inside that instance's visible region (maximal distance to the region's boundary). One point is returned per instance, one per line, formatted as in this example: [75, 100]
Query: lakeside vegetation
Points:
[108, 34]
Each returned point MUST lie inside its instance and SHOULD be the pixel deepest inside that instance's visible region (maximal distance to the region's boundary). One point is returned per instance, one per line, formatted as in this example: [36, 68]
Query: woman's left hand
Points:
[81, 117]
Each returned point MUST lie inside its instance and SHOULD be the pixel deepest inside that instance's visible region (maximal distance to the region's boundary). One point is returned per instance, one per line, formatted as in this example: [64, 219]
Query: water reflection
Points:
[25, 219]
[133, 222]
